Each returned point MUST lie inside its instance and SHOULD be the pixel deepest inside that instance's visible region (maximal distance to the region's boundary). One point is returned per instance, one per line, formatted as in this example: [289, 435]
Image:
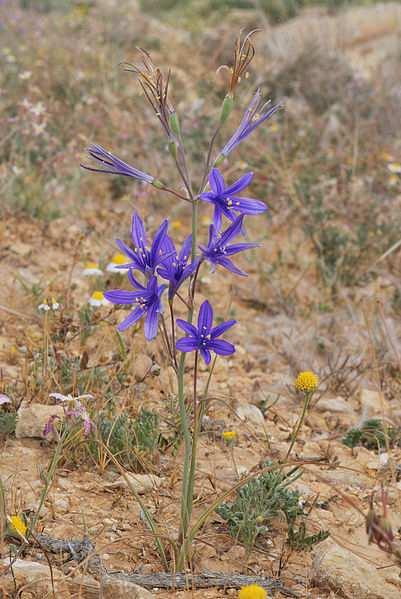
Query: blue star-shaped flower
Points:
[204, 337]
[218, 248]
[226, 201]
[147, 301]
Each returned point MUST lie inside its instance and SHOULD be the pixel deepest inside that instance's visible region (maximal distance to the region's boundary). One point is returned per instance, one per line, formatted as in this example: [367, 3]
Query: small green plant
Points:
[300, 540]
[258, 502]
[372, 434]
[132, 441]
[8, 421]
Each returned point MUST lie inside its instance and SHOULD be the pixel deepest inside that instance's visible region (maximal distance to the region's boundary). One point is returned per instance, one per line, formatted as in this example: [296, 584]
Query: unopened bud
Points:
[174, 124]
[228, 104]
[158, 184]
[172, 147]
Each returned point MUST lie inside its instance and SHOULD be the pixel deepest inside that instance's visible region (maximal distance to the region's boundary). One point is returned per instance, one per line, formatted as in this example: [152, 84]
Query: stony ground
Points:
[290, 318]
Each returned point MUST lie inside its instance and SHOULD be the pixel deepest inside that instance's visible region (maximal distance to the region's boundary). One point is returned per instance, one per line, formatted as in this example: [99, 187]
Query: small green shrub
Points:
[258, 502]
[8, 421]
[127, 438]
[372, 434]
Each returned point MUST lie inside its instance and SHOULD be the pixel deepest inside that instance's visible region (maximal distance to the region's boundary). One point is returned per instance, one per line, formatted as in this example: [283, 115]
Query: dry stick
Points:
[19, 314]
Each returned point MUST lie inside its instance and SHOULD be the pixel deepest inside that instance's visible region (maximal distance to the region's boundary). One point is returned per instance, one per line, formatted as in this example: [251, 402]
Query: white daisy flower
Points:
[92, 269]
[97, 299]
[116, 261]
[394, 167]
[69, 397]
[49, 305]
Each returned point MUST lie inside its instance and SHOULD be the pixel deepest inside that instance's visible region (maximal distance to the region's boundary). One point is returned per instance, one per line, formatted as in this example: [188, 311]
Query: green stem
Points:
[189, 443]
[295, 432]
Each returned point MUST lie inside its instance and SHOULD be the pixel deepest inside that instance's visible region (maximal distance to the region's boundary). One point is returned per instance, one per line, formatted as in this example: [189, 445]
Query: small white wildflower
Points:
[47, 305]
[116, 261]
[69, 397]
[394, 167]
[97, 299]
[25, 75]
[92, 269]
[38, 109]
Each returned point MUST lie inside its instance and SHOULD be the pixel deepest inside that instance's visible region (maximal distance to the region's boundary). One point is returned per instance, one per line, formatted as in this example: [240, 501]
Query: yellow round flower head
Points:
[253, 591]
[18, 525]
[119, 259]
[307, 382]
[229, 436]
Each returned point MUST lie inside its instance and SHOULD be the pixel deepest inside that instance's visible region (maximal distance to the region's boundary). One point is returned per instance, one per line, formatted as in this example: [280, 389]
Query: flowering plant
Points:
[157, 272]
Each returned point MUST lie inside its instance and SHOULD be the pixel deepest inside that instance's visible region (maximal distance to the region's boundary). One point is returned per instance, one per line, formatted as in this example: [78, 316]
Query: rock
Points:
[251, 413]
[372, 402]
[141, 483]
[22, 249]
[142, 367]
[168, 380]
[32, 419]
[114, 588]
[349, 575]
[336, 405]
[34, 576]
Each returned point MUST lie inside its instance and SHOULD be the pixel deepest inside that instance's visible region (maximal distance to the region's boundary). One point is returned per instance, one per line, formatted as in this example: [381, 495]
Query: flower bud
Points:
[172, 148]
[158, 184]
[174, 124]
[228, 104]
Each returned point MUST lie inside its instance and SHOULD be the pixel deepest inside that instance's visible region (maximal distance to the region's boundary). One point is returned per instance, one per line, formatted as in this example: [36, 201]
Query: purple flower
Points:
[49, 427]
[175, 268]
[217, 250]
[147, 300]
[257, 112]
[203, 338]
[112, 165]
[4, 399]
[142, 257]
[226, 201]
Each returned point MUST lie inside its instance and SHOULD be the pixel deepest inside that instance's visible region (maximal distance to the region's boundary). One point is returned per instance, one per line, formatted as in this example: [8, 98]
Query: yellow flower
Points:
[18, 525]
[307, 382]
[229, 436]
[394, 167]
[176, 224]
[253, 591]
[116, 261]
[91, 269]
[97, 299]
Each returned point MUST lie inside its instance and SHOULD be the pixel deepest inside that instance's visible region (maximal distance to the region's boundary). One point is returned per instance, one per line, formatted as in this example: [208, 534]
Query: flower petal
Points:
[206, 355]
[240, 247]
[187, 327]
[248, 206]
[222, 328]
[221, 347]
[134, 281]
[158, 241]
[216, 181]
[131, 318]
[138, 232]
[205, 317]
[186, 249]
[239, 185]
[232, 231]
[187, 344]
[122, 296]
[226, 263]
[152, 321]
[127, 250]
